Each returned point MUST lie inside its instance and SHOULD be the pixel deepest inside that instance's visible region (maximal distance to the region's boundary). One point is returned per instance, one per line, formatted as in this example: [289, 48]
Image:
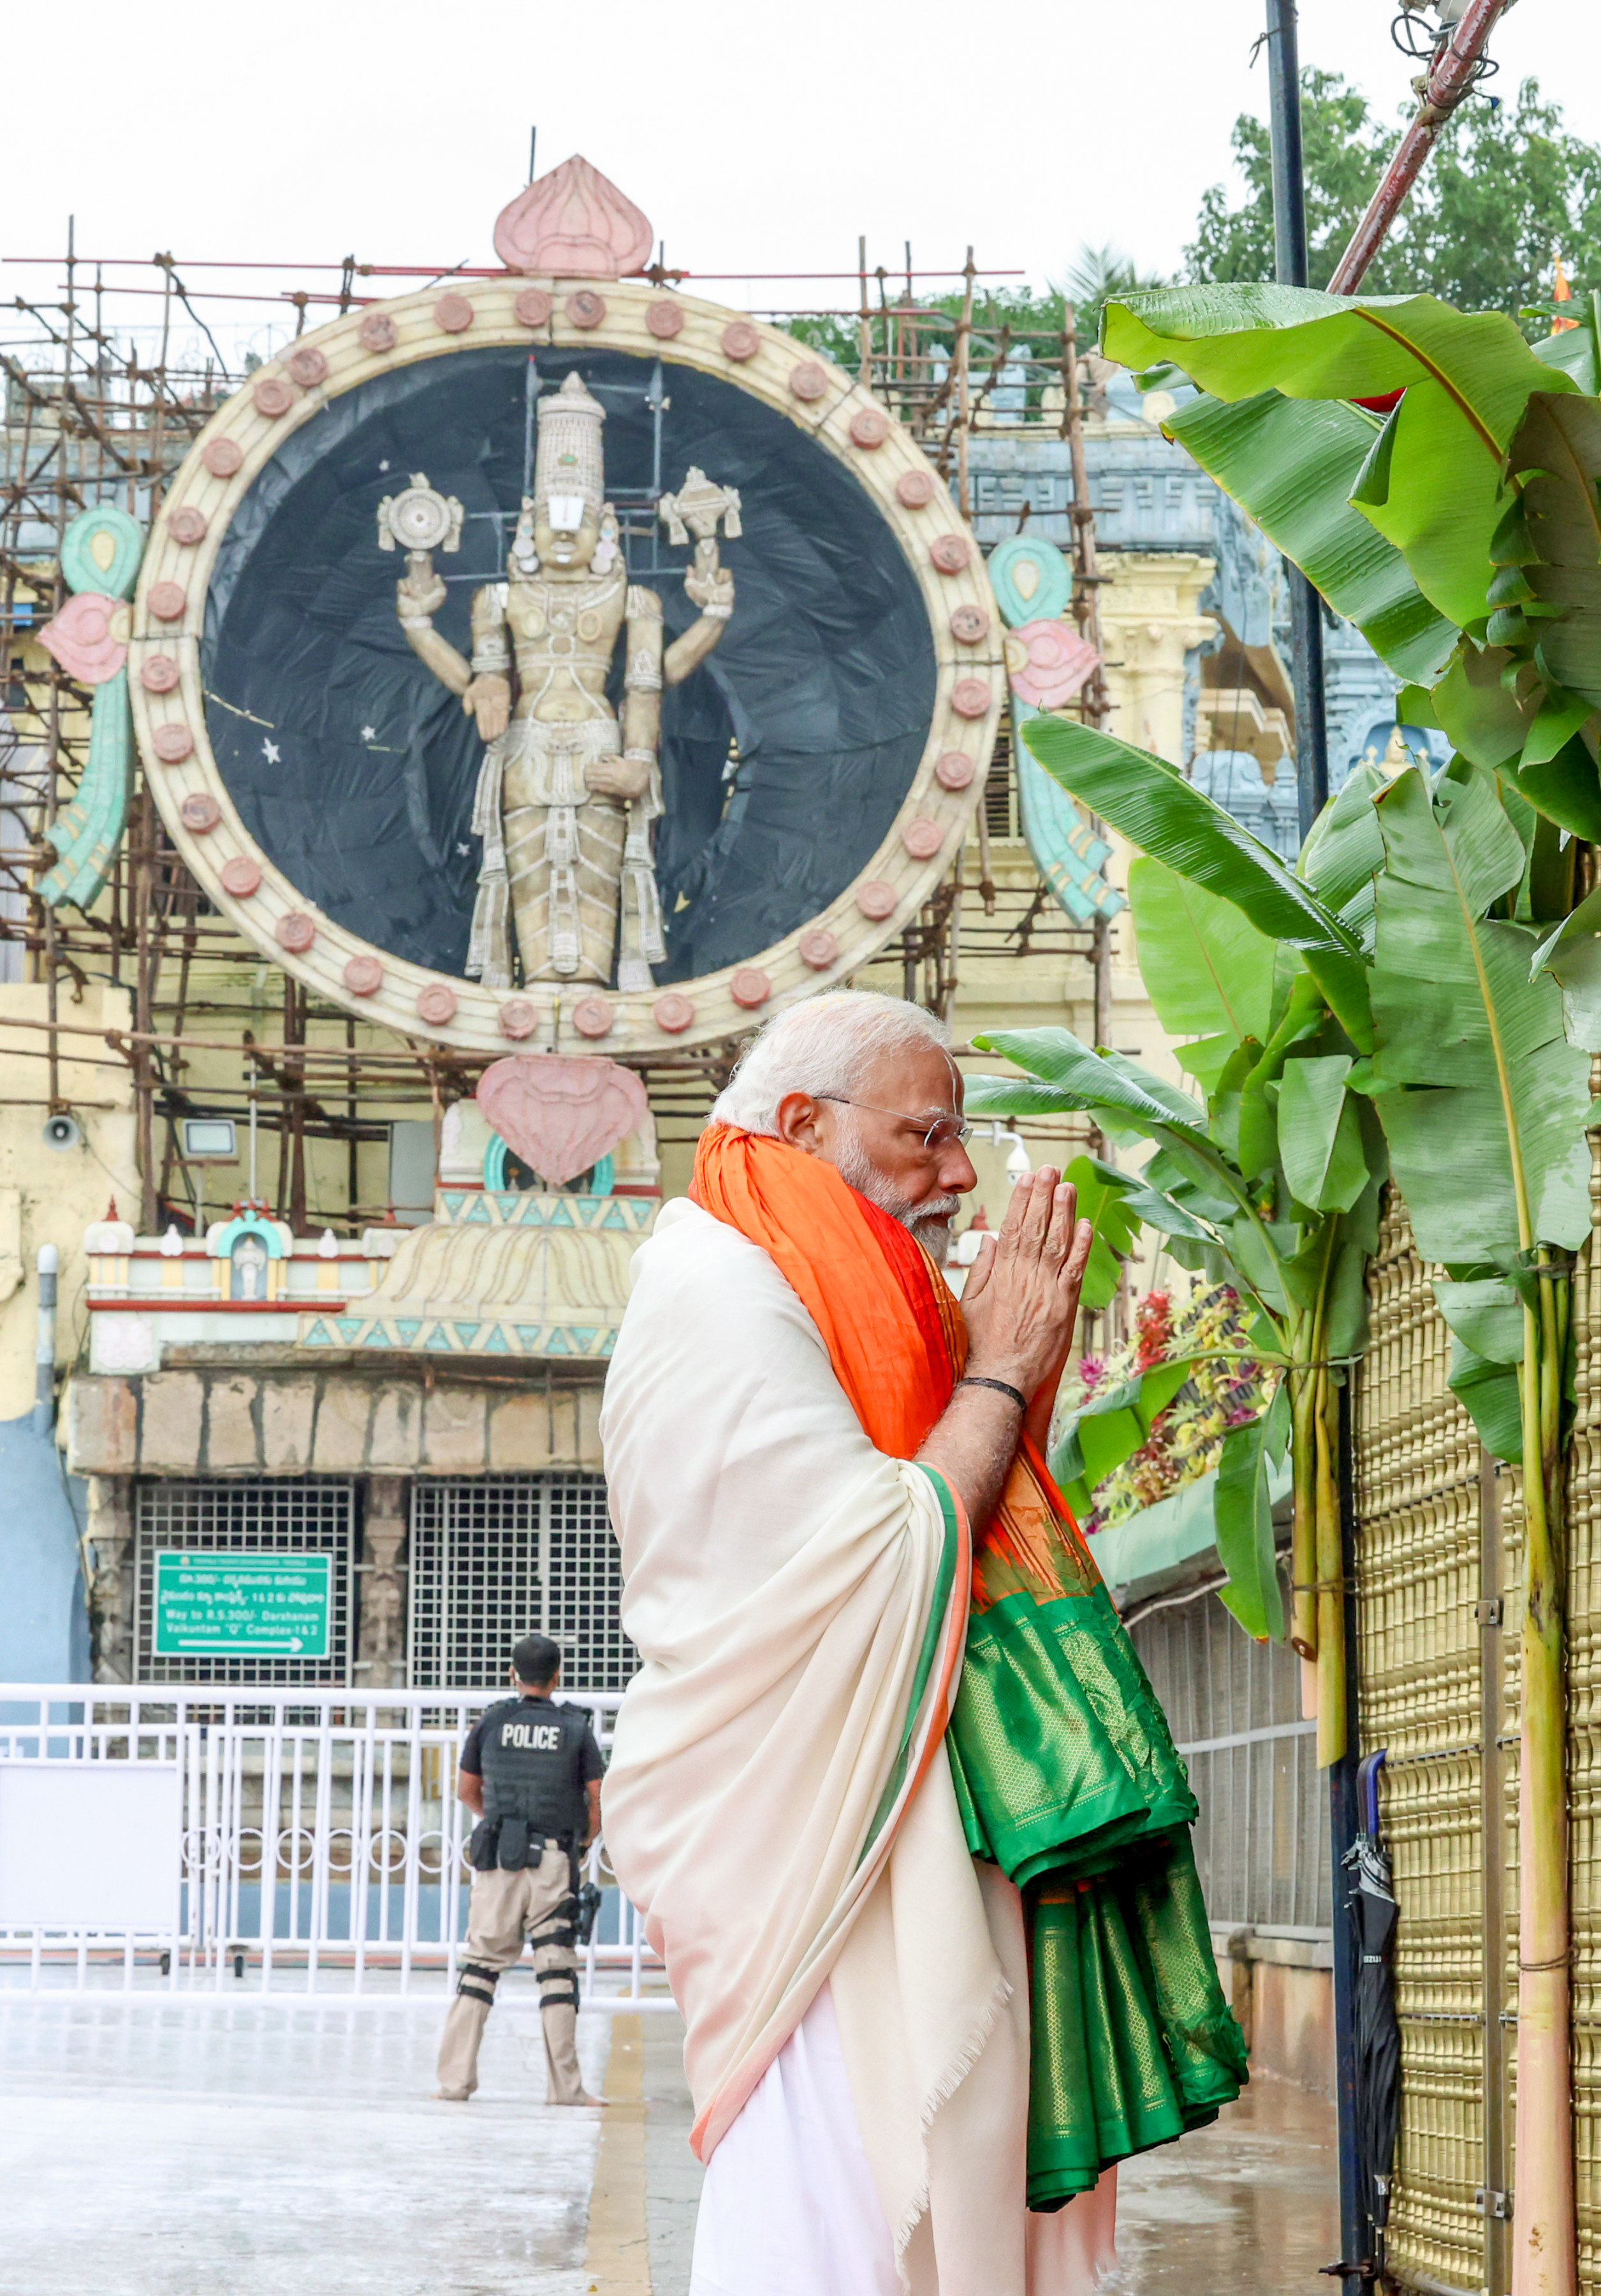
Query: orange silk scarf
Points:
[894, 1335]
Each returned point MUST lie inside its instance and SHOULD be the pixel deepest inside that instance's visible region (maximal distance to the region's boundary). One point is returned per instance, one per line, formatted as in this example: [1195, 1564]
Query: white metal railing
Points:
[316, 1845]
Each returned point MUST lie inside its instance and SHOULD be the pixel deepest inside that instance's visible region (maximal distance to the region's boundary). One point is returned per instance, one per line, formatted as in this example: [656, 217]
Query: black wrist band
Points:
[1000, 1388]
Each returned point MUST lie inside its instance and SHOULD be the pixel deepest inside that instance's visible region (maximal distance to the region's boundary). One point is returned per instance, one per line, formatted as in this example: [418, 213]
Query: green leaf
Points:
[1154, 807]
[1320, 1136]
[1564, 788]
[1467, 377]
[1082, 1079]
[1095, 1441]
[1486, 1315]
[1244, 1516]
[1555, 453]
[1486, 1100]
[1206, 969]
[1291, 465]
[1103, 1199]
[1489, 1393]
[1345, 852]
[1477, 711]
[1572, 956]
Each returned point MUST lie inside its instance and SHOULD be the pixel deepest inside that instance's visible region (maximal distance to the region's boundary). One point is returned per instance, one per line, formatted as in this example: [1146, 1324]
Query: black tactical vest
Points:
[533, 1757]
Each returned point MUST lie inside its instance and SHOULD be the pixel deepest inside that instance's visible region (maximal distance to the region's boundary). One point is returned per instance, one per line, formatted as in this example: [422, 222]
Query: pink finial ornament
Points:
[573, 224]
[81, 639]
[1047, 662]
[560, 1114]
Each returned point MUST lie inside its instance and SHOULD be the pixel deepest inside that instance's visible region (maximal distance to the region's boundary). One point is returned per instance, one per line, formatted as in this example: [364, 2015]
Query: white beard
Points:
[929, 1222]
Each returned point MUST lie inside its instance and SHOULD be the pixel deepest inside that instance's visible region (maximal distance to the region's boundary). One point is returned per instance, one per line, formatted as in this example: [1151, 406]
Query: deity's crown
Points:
[569, 460]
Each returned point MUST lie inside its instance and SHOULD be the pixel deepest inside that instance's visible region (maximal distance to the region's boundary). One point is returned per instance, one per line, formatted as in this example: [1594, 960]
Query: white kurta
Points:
[779, 1573]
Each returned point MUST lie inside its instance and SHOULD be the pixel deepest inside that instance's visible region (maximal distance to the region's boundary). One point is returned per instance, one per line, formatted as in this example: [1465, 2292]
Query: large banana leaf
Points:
[1482, 1099]
[1546, 591]
[1433, 484]
[1151, 803]
[1207, 971]
[1244, 1517]
[1292, 463]
[1320, 1134]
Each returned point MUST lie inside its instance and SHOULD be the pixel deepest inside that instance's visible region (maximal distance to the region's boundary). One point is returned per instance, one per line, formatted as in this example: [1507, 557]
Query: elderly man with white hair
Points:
[890, 1788]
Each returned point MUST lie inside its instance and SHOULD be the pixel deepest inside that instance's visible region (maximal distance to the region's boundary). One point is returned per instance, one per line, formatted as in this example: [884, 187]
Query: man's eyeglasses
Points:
[944, 1132]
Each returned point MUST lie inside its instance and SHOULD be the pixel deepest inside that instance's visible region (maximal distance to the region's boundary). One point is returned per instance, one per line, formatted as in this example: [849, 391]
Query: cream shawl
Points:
[784, 1584]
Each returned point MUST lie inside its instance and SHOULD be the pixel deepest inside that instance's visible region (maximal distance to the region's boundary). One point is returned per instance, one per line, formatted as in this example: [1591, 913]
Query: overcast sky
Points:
[757, 137]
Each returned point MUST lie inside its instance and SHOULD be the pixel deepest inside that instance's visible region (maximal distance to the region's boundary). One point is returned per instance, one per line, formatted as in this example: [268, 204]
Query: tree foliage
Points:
[1506, 190]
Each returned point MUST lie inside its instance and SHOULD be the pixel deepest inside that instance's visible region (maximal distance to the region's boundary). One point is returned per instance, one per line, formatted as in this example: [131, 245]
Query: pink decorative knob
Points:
[876, 900]
[740, 341]
[377, 333]
[954, 770]
[969, 625]
[750, 986]
[672, 1013]
[970, 698]
[591, 1015]
[586, 309]
[274, 396]
[951, 553]
[531, 307]
[221, 456]
[809, 382]
[187, 526]
[240, 876]
[294, 932]
[870, 427]
[172, 744]
[664, 318]
[200, 813]
[517, 1018]
[308, 367]
[818, 948]
[167, 601]
[916, 488]
[437, 1004]
[922, 839]
[363, 976]
[158, 673]
[454, 313]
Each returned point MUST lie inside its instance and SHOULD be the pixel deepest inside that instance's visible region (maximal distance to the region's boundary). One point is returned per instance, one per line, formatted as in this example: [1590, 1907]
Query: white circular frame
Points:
[194, 516]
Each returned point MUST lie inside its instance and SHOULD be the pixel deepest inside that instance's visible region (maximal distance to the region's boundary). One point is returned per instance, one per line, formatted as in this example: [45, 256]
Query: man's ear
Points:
[799, 1119]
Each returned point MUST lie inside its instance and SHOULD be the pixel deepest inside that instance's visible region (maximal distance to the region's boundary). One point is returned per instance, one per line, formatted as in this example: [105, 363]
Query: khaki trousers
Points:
[537, 1903]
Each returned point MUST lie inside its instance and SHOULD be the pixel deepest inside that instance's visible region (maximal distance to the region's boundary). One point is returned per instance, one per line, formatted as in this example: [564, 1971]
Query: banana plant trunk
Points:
[1545, 2260]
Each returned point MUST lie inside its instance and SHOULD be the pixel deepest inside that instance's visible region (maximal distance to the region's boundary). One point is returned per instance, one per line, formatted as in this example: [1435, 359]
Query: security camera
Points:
[61, 1132]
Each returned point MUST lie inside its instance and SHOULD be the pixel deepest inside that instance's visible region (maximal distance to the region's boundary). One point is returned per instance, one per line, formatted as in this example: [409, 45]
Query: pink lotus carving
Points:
[561, 1115]
[1047, 662]
[573, 224]
[81, 638]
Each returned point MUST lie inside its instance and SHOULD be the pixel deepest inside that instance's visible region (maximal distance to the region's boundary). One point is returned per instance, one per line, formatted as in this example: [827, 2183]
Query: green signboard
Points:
[230, 1603]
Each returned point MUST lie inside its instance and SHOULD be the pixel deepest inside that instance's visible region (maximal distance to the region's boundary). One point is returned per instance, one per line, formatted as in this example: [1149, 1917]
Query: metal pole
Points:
[1448, 78]
[1289, 260]
[44, 1406]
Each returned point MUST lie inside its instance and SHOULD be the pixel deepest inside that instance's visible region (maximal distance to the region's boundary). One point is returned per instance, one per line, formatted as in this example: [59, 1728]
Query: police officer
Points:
[531, 1775]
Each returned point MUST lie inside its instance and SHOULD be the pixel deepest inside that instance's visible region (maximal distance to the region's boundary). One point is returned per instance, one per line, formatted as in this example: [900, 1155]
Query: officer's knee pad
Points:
[475, 1982]
[558, 1989]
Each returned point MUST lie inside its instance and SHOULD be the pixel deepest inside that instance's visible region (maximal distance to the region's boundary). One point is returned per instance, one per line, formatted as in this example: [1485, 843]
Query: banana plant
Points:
[1434, 476]
[1272, 1185]
[1479, 1029]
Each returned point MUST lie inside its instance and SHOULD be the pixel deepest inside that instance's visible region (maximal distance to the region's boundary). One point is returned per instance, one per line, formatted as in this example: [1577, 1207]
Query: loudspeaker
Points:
[61, 1132]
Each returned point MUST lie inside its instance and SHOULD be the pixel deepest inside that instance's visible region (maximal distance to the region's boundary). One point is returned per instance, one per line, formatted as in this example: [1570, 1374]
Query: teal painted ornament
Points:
[1031, 580]
[1066, 852]
[101, 551]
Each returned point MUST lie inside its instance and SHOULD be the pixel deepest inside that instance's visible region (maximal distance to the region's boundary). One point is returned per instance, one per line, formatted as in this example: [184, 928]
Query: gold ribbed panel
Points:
[1584, 1741]
[1419, 1575]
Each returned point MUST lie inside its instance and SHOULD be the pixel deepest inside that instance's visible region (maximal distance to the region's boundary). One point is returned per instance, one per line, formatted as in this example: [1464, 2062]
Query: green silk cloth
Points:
[1067, 1779]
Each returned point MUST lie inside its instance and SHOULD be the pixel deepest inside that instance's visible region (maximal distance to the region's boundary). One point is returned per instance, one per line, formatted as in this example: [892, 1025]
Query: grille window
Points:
[1261, 1839]
[495, 1557]
[313, 1517]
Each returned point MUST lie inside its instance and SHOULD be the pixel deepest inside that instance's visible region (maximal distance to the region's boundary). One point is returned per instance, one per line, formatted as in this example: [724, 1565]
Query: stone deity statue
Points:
[566, 795]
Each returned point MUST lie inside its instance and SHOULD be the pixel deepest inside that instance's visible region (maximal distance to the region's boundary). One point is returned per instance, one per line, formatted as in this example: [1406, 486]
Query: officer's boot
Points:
[464, 2024]
[557, 1969]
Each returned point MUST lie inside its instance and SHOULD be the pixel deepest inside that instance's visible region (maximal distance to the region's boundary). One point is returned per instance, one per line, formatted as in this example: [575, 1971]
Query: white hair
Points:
[824, 1047]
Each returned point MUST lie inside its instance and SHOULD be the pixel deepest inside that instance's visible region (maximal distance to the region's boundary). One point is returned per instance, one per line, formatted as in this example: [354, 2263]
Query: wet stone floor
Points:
[159, 2147]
